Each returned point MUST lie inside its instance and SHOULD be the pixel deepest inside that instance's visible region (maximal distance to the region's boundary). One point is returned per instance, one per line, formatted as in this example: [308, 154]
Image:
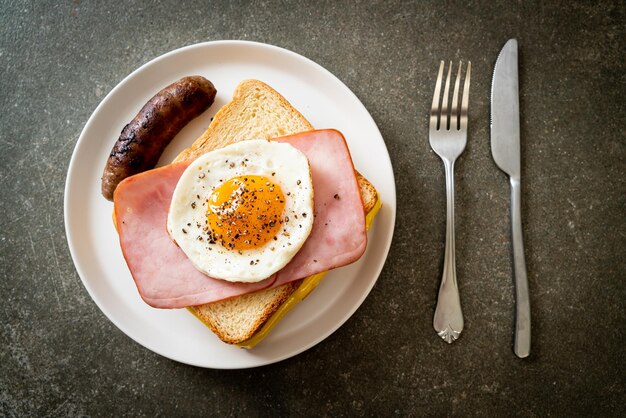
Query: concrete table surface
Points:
[60, 356]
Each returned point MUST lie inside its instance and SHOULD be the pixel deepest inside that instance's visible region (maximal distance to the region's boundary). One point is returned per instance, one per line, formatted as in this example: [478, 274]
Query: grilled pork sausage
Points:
[144, 139]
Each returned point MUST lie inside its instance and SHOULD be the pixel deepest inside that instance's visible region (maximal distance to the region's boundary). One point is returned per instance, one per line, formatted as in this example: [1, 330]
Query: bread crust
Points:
[212, 314]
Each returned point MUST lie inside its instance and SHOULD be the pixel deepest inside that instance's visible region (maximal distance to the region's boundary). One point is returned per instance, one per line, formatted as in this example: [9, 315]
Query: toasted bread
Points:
[256, 111]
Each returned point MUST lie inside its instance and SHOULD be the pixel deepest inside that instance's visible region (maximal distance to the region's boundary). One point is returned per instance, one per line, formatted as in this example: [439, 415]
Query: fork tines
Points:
[455, 119]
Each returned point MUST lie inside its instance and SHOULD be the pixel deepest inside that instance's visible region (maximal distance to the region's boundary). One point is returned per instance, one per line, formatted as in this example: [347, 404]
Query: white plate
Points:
[324, 100]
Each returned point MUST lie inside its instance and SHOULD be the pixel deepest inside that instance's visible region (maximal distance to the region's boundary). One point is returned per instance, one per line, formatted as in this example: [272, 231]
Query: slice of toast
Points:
[256, 111]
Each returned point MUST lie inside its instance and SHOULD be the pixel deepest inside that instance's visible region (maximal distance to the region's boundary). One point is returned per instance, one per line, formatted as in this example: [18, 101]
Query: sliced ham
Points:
[165, 278]
[338, 236]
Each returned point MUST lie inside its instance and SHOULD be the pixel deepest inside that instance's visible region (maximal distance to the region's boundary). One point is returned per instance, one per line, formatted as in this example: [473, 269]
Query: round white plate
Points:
[324, 100]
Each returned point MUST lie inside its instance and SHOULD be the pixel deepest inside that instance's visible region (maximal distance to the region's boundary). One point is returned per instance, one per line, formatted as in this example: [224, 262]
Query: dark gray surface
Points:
[60, 356]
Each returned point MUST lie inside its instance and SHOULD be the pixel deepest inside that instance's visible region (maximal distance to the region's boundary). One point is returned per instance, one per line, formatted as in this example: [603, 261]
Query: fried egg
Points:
[240, 213]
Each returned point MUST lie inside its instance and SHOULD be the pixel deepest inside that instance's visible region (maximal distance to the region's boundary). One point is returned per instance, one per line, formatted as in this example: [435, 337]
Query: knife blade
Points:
[505, 149]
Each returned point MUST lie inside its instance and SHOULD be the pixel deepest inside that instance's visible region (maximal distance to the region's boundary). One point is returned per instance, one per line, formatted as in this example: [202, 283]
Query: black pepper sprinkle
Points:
[251, 262]
[336, 196]
[193, 205]
[184, 232]
[304, 215]
[274, 173]
[298, 182]
[201, 175]
[231, 165]
[315, 261]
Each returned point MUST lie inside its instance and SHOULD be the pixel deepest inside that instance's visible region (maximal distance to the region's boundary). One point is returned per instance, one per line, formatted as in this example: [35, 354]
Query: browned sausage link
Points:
[144, 139]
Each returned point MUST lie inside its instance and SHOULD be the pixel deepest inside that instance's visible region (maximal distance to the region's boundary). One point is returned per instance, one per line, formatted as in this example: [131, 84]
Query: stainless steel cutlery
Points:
[448, 136]
[505, 149]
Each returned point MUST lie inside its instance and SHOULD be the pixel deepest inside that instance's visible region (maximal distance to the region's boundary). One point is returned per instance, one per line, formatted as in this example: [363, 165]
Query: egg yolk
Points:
[245, 212]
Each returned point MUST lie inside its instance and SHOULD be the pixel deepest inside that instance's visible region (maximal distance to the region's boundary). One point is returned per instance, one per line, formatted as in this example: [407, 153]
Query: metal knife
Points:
[505, 148]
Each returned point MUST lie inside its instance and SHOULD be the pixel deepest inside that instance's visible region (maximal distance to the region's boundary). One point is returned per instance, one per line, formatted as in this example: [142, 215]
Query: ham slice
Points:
[338, 236]
[165, 278]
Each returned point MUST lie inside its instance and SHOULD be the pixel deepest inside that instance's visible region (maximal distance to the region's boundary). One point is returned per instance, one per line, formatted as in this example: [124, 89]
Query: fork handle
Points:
[521, 345]
[448, 319]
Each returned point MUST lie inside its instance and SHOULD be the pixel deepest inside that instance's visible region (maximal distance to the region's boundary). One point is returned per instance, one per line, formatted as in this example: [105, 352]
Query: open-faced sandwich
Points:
[243, 224]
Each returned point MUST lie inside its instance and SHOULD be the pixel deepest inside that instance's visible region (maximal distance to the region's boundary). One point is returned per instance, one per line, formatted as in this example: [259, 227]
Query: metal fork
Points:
[448, 137]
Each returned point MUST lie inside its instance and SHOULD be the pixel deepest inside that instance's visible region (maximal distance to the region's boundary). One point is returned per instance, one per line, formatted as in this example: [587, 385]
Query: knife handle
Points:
[522, 302]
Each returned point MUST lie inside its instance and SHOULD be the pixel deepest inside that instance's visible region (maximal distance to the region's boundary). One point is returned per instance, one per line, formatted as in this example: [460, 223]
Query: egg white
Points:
[282, 164]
